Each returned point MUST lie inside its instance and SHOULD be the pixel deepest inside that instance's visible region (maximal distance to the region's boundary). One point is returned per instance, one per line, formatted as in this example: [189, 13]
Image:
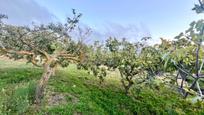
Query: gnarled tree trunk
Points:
[128, 85]
[49, 70]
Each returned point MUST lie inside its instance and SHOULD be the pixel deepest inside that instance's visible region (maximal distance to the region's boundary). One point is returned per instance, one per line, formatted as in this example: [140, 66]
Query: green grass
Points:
[83, 94]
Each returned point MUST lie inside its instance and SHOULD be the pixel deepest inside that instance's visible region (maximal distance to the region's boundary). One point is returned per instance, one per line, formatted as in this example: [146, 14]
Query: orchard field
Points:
[49, 69]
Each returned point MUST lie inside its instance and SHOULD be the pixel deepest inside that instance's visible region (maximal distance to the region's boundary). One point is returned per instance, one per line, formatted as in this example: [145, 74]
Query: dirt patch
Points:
[77, 113]
[56, 98]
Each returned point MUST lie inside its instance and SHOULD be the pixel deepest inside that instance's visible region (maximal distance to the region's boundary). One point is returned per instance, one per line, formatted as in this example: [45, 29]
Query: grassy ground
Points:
[76, 92]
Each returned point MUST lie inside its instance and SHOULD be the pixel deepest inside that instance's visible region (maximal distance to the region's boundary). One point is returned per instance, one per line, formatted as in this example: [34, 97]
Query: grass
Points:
[83, 94]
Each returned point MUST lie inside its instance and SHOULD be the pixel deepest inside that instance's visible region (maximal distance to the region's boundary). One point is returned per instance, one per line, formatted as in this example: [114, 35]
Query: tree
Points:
[186, 54]
[44, 46]
[95, 60]
[195, 35]
[119, 55]
[199, 8]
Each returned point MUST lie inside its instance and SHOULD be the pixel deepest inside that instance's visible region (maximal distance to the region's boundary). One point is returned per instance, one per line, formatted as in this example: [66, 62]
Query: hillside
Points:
[76, 92]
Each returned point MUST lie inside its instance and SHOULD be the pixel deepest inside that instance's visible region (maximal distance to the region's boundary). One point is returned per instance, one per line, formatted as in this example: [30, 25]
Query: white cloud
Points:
[23, 12]
[131, 32]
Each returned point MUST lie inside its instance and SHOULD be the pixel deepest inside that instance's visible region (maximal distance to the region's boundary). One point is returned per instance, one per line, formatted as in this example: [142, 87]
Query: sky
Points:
[132, 19]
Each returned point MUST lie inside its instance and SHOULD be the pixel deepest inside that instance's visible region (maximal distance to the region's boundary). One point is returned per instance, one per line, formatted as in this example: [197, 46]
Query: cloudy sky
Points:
[121, 18]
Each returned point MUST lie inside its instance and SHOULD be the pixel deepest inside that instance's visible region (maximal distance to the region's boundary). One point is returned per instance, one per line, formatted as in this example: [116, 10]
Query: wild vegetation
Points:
[64, 75]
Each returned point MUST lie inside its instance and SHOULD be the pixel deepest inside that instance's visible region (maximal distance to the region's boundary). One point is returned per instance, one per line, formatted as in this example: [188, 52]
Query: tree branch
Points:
[66, 55]
[33, 61]
[71, 59]
[16, 52]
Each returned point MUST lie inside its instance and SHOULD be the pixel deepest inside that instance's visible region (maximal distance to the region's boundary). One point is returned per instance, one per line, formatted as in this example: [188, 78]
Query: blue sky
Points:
[158, 18]
[162, 18]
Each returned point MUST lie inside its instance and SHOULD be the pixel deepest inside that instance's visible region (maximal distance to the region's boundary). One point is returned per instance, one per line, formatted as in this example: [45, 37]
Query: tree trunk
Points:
[196, 68]
[127, 86]
[48, 72]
